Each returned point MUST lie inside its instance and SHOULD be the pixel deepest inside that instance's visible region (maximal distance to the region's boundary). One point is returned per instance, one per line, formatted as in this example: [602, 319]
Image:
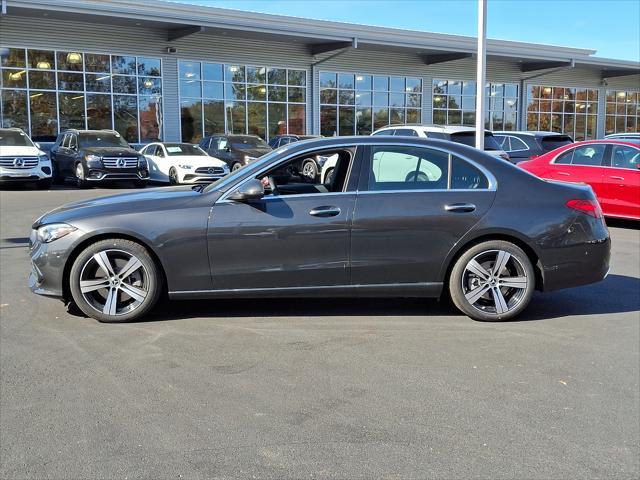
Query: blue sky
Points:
[612, 27]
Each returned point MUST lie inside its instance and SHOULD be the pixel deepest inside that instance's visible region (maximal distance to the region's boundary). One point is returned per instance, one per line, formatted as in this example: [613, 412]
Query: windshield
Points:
[555, 141]
[247, 142]
[469, 138]
[101, 139]
[177, 149]
[13, 138]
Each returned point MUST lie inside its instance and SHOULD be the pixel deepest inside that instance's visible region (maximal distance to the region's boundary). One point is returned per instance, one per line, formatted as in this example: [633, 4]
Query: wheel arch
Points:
[462, 247]
[85, 242]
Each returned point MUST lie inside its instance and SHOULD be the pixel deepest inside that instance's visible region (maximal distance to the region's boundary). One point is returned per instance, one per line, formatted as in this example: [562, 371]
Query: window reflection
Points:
[14, 108]
[622, 111]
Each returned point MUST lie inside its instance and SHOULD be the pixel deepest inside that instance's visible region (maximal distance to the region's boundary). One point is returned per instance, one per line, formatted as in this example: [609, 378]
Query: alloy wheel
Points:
[114, 282]
[494, 282]
[309, 170]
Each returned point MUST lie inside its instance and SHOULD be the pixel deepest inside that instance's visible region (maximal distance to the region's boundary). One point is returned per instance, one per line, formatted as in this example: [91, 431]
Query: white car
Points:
[182, 163]
[22, 161]
[454, 133]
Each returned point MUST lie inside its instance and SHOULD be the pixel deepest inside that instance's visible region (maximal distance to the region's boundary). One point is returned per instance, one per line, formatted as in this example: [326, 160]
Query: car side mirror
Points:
[251, 190]
[37, 145]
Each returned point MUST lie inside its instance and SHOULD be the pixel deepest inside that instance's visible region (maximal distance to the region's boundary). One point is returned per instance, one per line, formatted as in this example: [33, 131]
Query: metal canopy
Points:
[619, 73]
[176, 33]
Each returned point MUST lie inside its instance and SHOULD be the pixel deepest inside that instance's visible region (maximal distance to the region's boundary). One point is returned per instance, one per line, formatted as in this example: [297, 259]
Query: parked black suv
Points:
[523, 146]
[235, 150]
[280, 140]
[93, 156]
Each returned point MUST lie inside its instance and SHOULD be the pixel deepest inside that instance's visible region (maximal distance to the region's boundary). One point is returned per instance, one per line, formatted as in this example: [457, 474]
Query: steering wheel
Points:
[272, 185]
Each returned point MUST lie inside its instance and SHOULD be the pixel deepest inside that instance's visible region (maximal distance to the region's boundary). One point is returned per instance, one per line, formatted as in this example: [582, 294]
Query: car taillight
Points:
[590, 207]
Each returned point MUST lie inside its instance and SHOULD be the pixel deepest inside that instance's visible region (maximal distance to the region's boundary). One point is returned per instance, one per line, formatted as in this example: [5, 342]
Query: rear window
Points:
[469, 138]
[555, 141]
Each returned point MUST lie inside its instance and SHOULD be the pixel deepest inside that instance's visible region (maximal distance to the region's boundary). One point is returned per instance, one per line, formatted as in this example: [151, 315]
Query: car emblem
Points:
[18, 162]
[211, 170]
[120, 163]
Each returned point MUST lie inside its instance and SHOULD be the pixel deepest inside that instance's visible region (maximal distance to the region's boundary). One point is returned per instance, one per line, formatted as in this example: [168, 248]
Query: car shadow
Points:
[616, 294]
[622, 223]
[14, 242]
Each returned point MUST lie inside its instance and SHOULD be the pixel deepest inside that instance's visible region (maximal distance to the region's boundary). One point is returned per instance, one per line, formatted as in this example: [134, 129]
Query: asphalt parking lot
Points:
[320, 388]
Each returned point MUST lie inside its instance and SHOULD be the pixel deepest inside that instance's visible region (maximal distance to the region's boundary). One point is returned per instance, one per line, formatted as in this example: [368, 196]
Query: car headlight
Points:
[42, 158]
[185, 166]
[142, 162]
[53, 231]
[93, 161]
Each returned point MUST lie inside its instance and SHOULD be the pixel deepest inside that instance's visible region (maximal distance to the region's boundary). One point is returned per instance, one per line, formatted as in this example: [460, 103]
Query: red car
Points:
[611, 167]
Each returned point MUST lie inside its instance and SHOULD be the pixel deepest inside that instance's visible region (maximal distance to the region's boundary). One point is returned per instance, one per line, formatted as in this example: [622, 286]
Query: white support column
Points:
[481, 73]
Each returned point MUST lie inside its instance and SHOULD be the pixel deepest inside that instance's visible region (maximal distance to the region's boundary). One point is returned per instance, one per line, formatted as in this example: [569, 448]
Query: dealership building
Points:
[171, 71]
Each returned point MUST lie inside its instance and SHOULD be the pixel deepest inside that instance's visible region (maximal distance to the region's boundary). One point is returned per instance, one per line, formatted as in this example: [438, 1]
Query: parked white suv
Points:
[453, 133]
[21, 160]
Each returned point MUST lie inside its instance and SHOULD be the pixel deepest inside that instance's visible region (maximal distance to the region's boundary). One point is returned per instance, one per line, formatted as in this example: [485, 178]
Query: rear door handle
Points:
[615, 177]
[324, 211]
[564, 173]
[460, 207]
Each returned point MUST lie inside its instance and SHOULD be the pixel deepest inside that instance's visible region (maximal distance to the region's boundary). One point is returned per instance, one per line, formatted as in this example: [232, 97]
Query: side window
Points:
[503, 141]
[150, 150]
[73, 141]
[222, 143]
[204, 143]
[565, 158]
[517, 145]
[465, 176]
[407, 168]
[65, 140]
[385, 133]
[438, 135]
[406, 132]
[624, 156]
[160, 151]
[589, 155]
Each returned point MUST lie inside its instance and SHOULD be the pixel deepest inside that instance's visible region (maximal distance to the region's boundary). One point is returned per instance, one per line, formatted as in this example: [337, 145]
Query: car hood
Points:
[253, 152]
[198, 161]
[16, 151]
[134, 202]
[111, 151]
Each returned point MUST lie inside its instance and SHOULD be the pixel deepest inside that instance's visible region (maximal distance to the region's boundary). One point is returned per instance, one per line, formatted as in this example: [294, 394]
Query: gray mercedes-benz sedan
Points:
[402, 217]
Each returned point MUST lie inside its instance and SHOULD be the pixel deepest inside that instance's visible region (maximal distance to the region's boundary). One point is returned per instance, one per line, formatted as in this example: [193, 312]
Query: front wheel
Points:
[115, 280]
[310, 169]
[492, 281]
[81, 181]
[236, 166]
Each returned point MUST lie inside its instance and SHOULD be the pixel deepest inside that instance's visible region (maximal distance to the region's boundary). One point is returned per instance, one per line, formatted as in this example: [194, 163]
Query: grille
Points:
[210, 170]
[18, 163]
[112, 162]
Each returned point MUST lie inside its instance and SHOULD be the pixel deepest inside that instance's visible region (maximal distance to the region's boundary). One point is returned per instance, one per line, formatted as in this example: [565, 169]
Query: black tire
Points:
[173, 176]
[328, 178]
[58, 179]
[309, 169]
[140, 183]
[508, 300]
[44, 184]
[149, 273]
[80, 176]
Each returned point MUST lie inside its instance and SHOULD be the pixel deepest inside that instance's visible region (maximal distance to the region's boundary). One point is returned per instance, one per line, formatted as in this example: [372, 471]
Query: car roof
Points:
[607, 141]
[531, 133]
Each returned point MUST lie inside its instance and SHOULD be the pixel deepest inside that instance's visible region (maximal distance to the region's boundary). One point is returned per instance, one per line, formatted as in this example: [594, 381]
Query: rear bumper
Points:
[577, 265]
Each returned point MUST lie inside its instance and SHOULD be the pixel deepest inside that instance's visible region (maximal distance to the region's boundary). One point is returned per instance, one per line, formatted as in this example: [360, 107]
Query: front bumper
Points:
[48, 261]
[200, 178]
[102, 175]
[27, 175]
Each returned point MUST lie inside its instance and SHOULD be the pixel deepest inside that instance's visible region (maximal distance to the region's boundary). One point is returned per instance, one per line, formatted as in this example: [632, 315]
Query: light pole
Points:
[481, 73]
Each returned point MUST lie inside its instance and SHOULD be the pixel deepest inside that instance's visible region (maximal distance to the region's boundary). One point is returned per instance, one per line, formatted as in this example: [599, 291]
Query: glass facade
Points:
[241, 99]
[47, 91]
[622, 112]
[357, 104]
[454, 103]
[573, 111]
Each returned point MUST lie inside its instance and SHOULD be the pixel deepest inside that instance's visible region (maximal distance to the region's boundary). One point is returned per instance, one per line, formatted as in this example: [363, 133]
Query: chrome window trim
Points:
[518, 139]
[493, 182]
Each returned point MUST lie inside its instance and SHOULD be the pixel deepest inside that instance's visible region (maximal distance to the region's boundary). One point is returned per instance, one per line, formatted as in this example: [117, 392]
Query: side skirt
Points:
[430, 289]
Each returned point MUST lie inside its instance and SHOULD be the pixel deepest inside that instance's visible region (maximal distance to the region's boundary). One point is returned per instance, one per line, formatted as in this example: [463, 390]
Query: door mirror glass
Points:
[251, 190]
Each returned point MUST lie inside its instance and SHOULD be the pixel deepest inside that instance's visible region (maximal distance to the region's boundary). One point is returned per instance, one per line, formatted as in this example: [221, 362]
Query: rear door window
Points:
[407, 168]
[465, 176]
[591, 155]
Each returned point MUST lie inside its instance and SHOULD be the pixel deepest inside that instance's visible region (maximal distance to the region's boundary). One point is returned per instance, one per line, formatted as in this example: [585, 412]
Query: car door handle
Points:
[615, 177]
[460, 207]
[564, 173]
[324, 211]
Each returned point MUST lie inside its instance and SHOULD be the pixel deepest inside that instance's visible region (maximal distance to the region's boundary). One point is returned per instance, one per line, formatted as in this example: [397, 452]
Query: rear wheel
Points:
[115, 280]
[492, 281]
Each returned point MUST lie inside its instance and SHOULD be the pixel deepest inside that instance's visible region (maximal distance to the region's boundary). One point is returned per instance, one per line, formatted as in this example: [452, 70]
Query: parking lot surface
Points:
[317, 388]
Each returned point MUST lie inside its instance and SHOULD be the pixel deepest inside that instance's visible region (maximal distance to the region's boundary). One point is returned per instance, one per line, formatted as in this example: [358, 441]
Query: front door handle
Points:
[324, 211]
[460, 207]
[615, 177]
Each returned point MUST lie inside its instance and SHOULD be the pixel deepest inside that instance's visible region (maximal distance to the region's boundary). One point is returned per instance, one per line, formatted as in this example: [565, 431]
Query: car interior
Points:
[287, 179]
